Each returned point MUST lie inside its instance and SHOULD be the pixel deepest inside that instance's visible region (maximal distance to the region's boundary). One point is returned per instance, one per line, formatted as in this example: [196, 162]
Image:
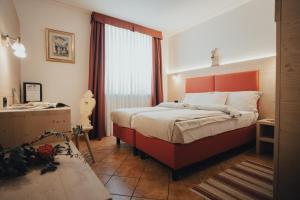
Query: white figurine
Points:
[87, 105]
[215, 57]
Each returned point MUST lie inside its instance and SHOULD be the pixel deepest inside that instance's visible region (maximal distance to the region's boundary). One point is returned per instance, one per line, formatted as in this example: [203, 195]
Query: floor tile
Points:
[181, 192]
[115, 157]
[152, 189]
[104, 178]
[134, 157]
[119, 197]
[107, 168]
[121, 185]
[154, 170]
[126, 175]
[190, 179]
[131, 168]
[127, 150]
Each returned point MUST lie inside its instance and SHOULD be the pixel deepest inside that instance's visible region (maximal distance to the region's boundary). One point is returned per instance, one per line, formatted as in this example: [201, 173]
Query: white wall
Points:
[62, 82]
[246, 32]
[9, 64]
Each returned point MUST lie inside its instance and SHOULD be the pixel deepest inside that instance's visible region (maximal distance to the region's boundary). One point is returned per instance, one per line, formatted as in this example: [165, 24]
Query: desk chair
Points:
[87, 105]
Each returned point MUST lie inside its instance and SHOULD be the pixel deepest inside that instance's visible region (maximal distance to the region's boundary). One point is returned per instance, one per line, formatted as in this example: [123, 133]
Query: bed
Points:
[122, 118]
[179, 155]
[122, 124]
[188, 125]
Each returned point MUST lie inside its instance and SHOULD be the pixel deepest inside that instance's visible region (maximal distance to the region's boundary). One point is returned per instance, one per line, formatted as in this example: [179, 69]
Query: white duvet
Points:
[123, 116]
[161, 124]
[182, 123]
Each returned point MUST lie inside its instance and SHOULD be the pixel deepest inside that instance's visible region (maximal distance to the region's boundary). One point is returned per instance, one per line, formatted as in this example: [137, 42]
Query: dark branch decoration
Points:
[18, 160]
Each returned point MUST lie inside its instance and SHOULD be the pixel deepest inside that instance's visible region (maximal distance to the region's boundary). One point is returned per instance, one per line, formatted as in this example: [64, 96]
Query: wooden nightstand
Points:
[265, 130]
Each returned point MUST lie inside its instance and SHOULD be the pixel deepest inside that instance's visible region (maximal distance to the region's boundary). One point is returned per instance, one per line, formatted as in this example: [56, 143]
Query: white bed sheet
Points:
[123, 116]
[188, 136]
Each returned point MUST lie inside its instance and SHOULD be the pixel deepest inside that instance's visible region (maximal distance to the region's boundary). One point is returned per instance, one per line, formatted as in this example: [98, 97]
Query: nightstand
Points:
[265, 130]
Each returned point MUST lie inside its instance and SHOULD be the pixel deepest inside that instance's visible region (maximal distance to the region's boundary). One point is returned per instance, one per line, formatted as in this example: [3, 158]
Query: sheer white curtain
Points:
[128, 70]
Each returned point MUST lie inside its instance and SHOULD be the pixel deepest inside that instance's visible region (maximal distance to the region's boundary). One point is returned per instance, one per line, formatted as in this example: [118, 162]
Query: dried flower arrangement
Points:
[18, 160]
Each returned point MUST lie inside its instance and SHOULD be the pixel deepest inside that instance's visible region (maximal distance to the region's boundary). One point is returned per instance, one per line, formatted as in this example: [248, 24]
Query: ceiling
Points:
[169, 16]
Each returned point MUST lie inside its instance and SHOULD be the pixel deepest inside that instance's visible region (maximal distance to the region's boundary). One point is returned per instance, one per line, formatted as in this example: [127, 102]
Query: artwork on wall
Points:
[32, 92]
[60, 46]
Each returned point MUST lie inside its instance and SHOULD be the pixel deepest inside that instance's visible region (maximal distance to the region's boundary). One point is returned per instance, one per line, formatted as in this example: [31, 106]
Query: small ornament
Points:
[46, 152]
[215, 57]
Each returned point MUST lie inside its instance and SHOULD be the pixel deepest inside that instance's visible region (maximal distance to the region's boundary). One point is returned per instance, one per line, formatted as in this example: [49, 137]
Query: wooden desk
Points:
[73, 180]
[20, 126]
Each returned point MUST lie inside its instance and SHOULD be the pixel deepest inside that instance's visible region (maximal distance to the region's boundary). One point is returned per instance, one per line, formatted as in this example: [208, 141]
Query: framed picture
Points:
[32, 92]
[60, 46]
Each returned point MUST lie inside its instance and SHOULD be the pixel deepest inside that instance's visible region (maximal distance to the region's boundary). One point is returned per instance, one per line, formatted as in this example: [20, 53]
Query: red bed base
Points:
[125, 134]
[177, 156]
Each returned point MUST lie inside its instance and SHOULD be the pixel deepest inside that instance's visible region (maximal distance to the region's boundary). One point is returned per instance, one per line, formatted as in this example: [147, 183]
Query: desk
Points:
[73, 179]
[20, 126]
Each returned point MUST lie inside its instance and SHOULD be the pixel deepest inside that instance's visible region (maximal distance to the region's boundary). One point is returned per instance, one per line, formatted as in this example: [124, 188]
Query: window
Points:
[128, 70]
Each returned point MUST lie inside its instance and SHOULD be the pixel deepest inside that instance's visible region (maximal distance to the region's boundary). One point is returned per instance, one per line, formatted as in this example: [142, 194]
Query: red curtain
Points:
[126, 25]
[157, 82]
[97, 66]
[97, 75]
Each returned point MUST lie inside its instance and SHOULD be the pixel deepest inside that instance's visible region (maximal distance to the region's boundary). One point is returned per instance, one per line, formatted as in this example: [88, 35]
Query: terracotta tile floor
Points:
[128, 177]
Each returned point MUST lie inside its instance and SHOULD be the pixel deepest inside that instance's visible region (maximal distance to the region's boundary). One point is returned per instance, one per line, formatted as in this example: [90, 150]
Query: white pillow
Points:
[244, 100]
[207, 98]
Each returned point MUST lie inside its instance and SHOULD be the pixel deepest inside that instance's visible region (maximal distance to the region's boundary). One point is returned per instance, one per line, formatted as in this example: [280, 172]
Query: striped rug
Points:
[248, 180]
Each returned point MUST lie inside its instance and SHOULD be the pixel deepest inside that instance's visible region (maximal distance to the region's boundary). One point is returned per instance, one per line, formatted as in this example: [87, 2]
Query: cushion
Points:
[207, 98]
[244, 100]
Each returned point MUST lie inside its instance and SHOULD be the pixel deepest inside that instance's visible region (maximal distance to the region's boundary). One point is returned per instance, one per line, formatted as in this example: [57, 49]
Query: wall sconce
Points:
[176, 77]
[16, 45]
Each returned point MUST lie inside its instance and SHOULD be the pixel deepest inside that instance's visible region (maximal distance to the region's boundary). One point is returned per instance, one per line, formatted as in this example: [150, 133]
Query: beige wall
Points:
[9, 64]
[246, 32]
[165, 66]
[62, 82]
[266, 67]
[240, 36]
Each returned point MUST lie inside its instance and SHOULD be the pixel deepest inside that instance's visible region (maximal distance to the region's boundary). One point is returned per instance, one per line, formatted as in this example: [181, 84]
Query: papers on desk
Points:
[36, 106]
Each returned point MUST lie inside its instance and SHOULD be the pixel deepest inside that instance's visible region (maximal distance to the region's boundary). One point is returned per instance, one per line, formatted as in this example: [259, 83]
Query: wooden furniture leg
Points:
[135, 151]
[257, 138]
[87, 140]
[77, 141]
[176, 174]
[118, 141]
[143, 155]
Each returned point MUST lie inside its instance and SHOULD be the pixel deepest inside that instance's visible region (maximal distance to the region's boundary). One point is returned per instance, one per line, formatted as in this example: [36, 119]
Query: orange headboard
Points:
[200, 84]
[243, 81]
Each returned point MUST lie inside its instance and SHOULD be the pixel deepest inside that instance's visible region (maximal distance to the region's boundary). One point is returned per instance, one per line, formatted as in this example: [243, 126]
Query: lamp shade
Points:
[20, 54]
[19, 49]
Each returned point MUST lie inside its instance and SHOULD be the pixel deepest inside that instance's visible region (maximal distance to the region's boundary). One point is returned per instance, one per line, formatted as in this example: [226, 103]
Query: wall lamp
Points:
[176, 77]
[16, 45]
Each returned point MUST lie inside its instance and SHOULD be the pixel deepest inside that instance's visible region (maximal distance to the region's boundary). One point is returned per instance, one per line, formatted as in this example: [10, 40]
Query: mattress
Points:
[184, 137]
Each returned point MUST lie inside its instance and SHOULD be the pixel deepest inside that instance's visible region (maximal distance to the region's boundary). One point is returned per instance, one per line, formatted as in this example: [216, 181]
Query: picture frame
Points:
[60, 46]
[32, 92]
